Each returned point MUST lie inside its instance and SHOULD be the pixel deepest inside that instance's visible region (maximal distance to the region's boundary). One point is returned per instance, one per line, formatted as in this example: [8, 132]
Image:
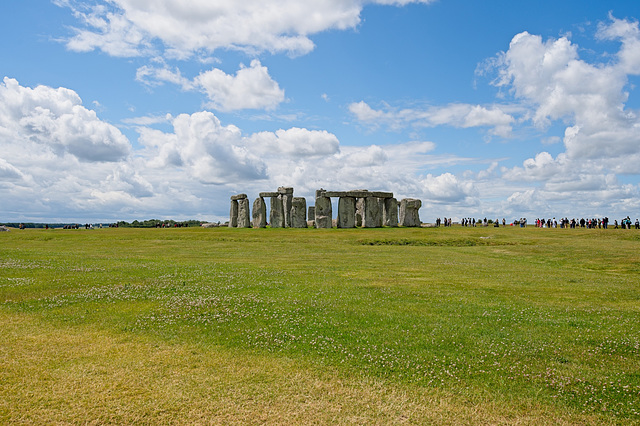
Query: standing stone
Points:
[390, 212]
[311, 217]
[276, 213]
[323, 210]
[286, 195]
[233, 214]
[359, 211]
[409, 212]
[372, 217]
[244, 215]
[298, 212]
[346, 212]
[259, 215]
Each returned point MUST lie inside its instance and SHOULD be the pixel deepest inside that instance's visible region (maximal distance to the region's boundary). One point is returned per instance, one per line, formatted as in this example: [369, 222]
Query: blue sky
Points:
[131, 109]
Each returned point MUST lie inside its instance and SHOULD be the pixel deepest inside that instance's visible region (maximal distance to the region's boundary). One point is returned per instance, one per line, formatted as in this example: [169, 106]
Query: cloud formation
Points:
[57, 151]
[207, 150]
[56, 119]
[251, 88]
[454, 115]
[132, 27]
[551, 79]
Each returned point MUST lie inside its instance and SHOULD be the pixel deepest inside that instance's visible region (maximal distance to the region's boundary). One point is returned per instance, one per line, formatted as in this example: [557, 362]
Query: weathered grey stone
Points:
[358, 193]
[210, 225]
[244, 215]
[359, 211]
[372, 217]
[276, 213]
[239, 197]
[285, 190]
[312, 213]
[268, 194]
[323, 210]
[409, 215]
[233, 214]
[298, 212]
[286, 194]
[390, 212]
[259, 214]
[346, 212]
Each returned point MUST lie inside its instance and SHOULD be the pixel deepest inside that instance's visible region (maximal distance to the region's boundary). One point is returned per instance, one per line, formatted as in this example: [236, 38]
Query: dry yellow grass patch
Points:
[85, 375]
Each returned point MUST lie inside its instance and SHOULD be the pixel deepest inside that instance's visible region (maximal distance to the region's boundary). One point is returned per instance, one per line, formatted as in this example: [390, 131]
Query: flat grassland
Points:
[288, 326]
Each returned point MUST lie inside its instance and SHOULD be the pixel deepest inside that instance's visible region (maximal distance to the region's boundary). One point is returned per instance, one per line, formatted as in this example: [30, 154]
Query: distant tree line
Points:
[156, 223]
[150, 223]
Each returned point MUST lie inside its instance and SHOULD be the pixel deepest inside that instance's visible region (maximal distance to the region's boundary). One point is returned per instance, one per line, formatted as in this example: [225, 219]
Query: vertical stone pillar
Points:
[298, 212]
[323, 210]
[390, 212]
[346, 212]
[244, 214]
[259, 215]
[359, 211]
[276, 212]
[233, 214]
[312, 213]
[372, 217]
[409, 215]
[286, 195]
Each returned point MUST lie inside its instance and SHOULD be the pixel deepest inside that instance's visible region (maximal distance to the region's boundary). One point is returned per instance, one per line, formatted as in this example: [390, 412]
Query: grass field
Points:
[366, 326]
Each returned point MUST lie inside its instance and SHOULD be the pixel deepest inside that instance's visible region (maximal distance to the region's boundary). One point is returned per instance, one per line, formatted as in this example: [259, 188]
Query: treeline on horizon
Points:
[150, 223]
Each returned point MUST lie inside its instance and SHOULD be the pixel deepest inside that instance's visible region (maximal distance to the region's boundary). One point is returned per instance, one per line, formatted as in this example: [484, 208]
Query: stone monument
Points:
[409, 212]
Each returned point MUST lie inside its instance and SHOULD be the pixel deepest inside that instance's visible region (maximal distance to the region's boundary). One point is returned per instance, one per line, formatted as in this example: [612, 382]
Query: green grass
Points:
[437, 325]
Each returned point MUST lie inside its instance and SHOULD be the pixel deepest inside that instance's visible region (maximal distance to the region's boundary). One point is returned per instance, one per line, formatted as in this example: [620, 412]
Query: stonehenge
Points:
[286, 195]
[357, 208]
[244, 213]
[409, 212]
[259, 217]
[390, 212]
[233, 213]
[346, 212]
[276, 211]
[368, 209]
[285, 210]
[323, 210]
[298, 212]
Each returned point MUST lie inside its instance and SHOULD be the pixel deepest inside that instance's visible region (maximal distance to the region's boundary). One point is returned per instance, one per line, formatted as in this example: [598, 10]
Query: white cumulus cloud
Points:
[295, 142]
[250, 88]
[55, 118]
[211, 153]
[446, 188]
[556, 84]
[9, 171]
[454, 115]
[130, 27]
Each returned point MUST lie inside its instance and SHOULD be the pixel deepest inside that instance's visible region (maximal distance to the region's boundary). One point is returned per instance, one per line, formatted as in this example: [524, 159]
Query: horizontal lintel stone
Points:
[238, 197]
[358, 194]
[268, 194]
[285, 190]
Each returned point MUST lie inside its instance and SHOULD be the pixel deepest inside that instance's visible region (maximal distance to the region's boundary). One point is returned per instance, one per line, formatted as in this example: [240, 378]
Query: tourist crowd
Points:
[600, 223]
